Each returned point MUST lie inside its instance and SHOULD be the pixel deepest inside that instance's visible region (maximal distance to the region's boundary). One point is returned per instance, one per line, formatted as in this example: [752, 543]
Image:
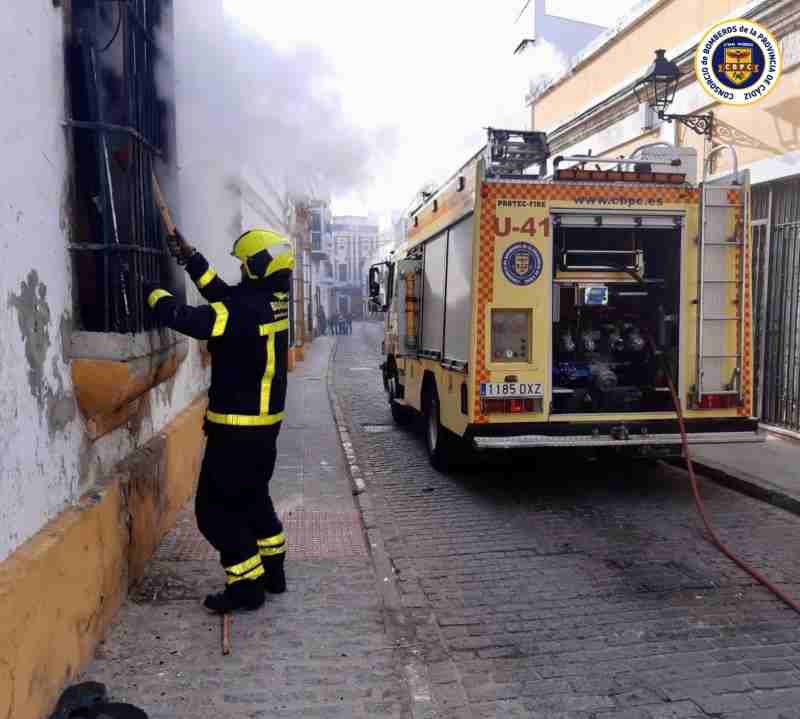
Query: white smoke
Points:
[543, 62]
[441, 71]
[243, 104]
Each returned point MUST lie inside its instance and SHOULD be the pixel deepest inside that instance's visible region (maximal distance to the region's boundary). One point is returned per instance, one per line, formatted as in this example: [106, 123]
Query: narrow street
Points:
[560, 588]
[550, 588]
[319, 650]
[592, 223]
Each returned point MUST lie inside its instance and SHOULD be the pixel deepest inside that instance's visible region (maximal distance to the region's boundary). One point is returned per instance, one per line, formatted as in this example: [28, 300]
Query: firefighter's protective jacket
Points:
[247, 329]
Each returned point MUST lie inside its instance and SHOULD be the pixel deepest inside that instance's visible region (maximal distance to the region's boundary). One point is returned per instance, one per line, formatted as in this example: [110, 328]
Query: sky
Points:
[421, 78]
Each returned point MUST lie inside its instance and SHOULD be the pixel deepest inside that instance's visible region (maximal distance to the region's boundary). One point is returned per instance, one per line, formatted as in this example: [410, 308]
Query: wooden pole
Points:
[226, 634]
[163, 208]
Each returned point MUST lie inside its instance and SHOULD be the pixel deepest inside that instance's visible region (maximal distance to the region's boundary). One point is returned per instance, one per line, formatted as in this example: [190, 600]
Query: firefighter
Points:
[247, 329]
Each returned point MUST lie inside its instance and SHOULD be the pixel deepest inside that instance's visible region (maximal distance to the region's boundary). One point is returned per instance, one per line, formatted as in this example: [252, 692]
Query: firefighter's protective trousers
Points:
[234, 510]
[247, 329]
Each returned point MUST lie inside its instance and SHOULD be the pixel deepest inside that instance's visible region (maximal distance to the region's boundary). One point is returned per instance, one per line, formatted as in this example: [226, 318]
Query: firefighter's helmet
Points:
[263, 253]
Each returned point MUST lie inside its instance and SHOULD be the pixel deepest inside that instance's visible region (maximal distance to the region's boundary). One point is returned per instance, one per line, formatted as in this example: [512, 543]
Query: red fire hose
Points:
[698, 500]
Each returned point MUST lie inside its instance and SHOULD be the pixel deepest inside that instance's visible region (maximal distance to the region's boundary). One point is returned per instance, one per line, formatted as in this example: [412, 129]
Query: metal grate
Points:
[118, 125]
[781, 399]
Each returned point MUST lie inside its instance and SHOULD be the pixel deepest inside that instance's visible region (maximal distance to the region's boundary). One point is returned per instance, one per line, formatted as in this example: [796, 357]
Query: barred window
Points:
[120, 129]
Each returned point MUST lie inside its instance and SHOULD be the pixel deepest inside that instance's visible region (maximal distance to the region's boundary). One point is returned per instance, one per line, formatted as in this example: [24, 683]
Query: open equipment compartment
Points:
[616, 307]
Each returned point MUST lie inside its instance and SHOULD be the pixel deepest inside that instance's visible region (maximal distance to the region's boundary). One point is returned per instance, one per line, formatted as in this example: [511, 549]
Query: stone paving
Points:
[322, 649]
[558, 587]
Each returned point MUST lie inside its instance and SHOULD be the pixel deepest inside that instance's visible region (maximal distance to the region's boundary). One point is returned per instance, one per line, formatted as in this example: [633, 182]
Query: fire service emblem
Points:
[738, 62]
[522, 263]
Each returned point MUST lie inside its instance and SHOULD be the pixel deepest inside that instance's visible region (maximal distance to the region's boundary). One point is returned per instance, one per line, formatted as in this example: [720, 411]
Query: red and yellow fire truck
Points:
[525, 311]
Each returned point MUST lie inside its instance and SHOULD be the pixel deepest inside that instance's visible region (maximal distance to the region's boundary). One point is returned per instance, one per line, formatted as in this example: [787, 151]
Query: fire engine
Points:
[527, 311]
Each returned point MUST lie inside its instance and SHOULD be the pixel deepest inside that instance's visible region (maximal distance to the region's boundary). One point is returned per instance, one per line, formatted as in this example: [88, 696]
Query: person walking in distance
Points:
[349, 323]
[247, 329]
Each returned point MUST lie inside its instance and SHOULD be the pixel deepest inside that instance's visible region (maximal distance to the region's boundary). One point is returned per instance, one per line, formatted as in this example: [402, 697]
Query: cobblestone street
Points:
[319, 650]
[552, 588]
[558, 588]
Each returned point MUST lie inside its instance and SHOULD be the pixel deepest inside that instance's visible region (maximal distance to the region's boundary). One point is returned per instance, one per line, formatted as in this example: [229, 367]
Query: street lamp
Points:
[657, 89]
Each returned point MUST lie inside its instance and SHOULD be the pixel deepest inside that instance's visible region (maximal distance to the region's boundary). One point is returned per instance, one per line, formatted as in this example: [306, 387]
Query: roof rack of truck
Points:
[509, 153]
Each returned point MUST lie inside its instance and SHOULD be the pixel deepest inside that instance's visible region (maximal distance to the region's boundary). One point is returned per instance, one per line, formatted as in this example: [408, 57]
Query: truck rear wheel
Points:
[438, 439]
[402, 416]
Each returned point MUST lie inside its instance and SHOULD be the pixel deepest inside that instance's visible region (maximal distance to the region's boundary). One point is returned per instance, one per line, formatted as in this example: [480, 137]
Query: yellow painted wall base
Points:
[107, 390]
[60, 590]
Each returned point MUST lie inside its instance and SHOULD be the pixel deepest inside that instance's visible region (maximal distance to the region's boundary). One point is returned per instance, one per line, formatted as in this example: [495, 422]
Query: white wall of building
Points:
[38, 428]
[46, 458]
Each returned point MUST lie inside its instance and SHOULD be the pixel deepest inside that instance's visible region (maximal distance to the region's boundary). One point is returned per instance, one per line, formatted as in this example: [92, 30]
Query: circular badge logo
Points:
[738, 62]
[522, 263]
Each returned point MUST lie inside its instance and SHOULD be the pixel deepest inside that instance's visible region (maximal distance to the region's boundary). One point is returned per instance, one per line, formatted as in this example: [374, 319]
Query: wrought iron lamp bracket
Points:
[701, 124]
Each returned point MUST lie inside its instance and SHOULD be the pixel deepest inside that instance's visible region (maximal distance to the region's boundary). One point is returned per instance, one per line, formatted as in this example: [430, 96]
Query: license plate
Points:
[512, 389]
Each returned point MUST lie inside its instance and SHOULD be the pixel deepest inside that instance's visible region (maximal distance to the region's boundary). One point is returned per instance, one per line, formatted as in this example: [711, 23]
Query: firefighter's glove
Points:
[179, 248]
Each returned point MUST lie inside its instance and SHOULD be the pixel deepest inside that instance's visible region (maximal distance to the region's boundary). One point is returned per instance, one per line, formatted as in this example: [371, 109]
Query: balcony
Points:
[318, 251]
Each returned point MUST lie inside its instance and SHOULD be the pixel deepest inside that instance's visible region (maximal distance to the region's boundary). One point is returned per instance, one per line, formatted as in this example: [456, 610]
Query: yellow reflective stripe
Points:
[244, 567]
[272, 551]
[222, 319]
[206, 277]
[270, 327]
[245, 420]
[263, 418]
[275, 541]
[269, 373]
[155, 296]
[252, 574]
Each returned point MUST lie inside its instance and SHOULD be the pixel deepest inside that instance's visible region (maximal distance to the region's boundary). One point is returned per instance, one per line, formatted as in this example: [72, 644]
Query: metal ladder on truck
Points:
[722, 250]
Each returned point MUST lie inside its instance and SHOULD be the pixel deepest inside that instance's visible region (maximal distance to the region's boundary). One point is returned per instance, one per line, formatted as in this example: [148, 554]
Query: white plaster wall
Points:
[37, 475]
[46, 461]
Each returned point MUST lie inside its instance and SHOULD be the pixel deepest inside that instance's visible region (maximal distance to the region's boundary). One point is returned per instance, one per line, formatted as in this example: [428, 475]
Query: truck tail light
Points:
[718, 401]
[526, 405]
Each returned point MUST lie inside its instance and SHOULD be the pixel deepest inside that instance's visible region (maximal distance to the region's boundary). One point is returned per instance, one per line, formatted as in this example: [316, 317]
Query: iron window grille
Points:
[119, 127]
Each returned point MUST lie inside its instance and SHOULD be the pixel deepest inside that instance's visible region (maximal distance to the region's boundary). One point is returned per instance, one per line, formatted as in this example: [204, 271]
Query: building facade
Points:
[592, 108]
[340, 248]
[389, 239]
[101, 410]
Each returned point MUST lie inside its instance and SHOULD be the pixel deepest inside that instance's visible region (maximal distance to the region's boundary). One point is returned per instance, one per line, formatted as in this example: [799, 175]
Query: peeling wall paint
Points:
[33, 317]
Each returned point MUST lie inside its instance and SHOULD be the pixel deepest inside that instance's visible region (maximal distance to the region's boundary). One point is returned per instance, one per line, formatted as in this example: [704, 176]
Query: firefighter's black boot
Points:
[247, 594]
[273, 553]
[244, 590]
[274, 578]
